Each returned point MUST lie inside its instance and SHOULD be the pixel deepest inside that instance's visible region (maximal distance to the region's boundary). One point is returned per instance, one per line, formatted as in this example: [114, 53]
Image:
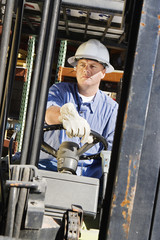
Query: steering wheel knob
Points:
[67, 157]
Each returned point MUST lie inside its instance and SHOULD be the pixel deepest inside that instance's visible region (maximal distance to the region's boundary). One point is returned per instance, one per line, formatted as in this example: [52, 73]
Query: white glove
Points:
[75, 125]
[98, 75]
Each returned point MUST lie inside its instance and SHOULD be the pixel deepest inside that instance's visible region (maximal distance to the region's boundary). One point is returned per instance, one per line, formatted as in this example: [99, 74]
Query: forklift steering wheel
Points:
[96, 138]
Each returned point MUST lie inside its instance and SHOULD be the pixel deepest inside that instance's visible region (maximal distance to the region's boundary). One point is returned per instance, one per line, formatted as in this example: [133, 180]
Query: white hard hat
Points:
[92, 49]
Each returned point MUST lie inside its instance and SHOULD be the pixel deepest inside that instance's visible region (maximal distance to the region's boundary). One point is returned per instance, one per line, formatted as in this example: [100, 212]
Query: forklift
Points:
[38, 204]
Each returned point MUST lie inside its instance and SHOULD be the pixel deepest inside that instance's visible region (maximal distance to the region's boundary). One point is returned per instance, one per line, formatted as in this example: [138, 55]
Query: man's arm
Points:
[75, 125]
[52, 115]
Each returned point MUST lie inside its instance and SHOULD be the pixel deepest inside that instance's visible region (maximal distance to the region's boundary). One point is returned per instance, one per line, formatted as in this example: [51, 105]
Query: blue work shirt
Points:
[100, 113]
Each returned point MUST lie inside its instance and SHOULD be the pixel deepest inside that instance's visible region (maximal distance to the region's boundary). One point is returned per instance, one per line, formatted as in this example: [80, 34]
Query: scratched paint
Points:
[158, 25]
[142, 24]
[125, 118]
[127, 203]
[113, 203]
[153, 67]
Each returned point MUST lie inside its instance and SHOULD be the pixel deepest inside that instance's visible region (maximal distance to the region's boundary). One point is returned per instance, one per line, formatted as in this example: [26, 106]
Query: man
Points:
[82, 106]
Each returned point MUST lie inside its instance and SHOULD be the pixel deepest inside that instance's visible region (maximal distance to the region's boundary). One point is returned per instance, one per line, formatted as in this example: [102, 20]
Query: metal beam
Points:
[112, 6]
[7, 81]
[46, 75]
[36, 83]
[106, 29]
[80, 37]
[136, 139]
[145, 216]
[103, 5]
[41, 79]
[4, 44]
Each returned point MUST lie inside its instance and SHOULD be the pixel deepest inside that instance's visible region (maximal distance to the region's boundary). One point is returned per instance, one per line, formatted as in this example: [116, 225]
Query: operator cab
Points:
[81, 195]
[50, 203]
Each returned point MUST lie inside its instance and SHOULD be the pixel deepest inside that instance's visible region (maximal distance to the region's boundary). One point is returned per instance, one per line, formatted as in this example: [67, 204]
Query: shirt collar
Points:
[93, 104]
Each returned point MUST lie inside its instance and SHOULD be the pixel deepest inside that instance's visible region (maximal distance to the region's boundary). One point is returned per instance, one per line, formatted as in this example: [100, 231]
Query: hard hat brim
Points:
[73, 62]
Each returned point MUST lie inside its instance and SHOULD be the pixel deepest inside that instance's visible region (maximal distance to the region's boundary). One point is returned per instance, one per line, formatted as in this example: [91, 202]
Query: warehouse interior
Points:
[109, 23]
[131, 32]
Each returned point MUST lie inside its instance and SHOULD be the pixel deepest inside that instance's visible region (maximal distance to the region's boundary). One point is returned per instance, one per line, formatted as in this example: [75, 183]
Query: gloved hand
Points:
[98, 75]
[75, 125]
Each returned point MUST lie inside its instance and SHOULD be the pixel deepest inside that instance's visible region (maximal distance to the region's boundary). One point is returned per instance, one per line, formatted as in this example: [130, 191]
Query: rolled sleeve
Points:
[55, 96]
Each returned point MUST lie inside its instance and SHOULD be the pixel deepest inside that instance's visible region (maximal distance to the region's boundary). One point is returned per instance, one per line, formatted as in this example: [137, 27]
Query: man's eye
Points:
[82, 65]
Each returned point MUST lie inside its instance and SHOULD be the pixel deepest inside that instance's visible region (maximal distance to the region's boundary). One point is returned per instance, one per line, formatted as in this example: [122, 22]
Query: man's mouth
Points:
[85, 76]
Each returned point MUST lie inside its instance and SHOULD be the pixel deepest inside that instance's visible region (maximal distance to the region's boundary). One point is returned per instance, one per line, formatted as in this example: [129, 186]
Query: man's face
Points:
[85, 71]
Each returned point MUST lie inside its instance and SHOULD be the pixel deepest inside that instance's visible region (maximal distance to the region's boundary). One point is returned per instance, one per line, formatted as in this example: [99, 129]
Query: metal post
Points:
[26, 89]
[36, 82]
[10, 74]
[45, 84]
[3, 60]
[11, 70]
[121, 217]
[61, 56]
[4, 43]
[145, 215]
[39, 91]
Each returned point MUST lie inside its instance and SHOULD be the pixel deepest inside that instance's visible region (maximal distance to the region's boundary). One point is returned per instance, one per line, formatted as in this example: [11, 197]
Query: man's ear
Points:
[75, 70]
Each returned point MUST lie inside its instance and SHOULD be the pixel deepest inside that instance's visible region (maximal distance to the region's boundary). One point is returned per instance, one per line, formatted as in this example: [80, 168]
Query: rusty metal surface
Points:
[145, 218]
[132, 148]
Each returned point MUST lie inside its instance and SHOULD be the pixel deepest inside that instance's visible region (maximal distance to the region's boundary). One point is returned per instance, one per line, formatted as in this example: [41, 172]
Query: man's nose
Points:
[86, 68]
